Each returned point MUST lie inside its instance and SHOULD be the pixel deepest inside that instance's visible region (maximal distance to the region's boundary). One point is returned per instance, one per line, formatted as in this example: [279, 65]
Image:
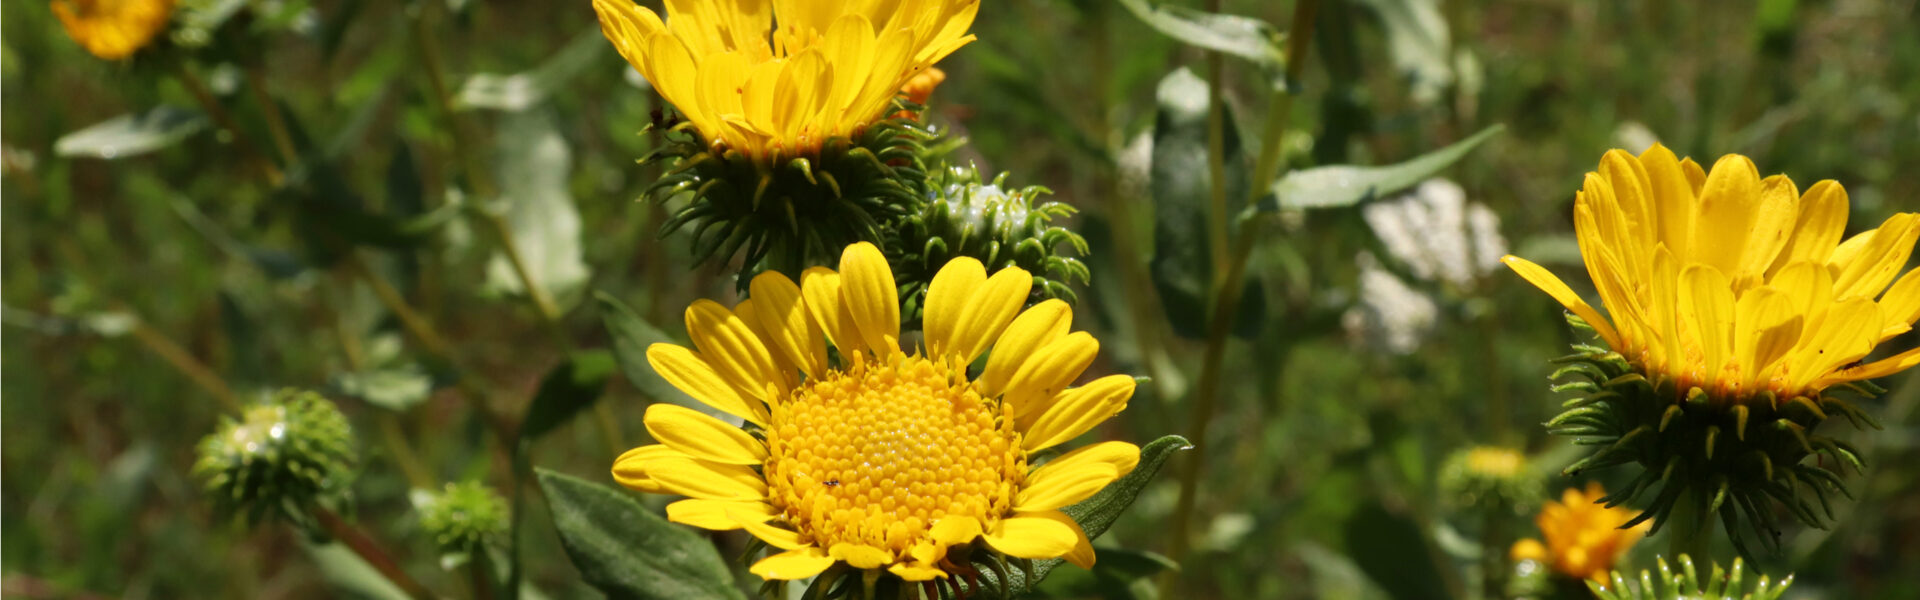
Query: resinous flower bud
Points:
[279, 457]
[463, 517]
[991, 222]
[1740, 319]
[790, 149]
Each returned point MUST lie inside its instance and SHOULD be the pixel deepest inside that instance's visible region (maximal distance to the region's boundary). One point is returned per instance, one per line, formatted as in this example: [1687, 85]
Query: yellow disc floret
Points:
[877, 454]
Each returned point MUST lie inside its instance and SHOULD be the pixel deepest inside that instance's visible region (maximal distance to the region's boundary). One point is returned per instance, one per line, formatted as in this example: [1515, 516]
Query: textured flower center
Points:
[878, 453]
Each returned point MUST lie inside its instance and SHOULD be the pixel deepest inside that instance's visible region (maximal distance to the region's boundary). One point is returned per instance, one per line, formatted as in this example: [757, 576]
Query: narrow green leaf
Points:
[132, 134]
[1244, 37]
[631, 336]
[626, 551]
[1335, 186]
[568, 389]
[521, 91]
[350, 574]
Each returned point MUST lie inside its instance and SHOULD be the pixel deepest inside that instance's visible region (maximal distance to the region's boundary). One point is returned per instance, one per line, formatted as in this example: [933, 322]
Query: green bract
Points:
[279, 457]
[1001, 226]
[1687, 584]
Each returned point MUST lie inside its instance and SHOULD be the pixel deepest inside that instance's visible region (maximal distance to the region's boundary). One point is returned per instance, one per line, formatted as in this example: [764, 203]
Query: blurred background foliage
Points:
[1326, 454]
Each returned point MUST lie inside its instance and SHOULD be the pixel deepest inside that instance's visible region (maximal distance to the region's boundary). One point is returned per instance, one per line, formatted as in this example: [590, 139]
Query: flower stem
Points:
[186, 364]
[1690, 530]
[360, 544]
[430, 339]
[1227, 294]
[276, 124]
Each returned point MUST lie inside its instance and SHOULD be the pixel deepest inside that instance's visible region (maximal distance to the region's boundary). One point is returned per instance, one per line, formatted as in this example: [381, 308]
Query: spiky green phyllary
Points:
[279, 457]
[998, 225]
[464, 516]
[797, 214]
[1730, 459]
[1687, 584]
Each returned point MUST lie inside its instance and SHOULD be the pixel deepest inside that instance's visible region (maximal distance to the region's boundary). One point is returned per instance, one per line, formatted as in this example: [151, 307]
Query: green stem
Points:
[184, 362]
[1227, 294]
[430, 339]
[276, 124]
[361, 544]
[224, 120]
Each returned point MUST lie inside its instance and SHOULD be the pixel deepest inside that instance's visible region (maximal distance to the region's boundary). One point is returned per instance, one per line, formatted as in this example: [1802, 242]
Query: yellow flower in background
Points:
[1584, 539]
[113, 29]
[883, 458]
[775, 79]
[1736, 284]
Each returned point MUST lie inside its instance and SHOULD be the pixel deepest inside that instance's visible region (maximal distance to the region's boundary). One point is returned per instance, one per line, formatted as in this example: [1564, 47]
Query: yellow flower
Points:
[882, 459]
[1584, 539]
[776, 91]
[1734, 284]
[113, 29]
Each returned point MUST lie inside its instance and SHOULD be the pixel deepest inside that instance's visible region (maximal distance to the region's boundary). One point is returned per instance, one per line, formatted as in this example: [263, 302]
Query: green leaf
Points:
[1245, 37]
[1098, 513]
[631, 336]
[568, 389]
[1182, 266]
[349, 573]
[626, 551]
[397, 389]
[532, 163]
[521, 91]
[1394, 553]
[1336, 186]
[1112, 577]
[132, 134]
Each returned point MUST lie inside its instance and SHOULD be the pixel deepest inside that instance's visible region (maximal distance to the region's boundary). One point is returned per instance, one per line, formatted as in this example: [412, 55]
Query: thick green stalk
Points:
[1228, 291]
[1690, 527]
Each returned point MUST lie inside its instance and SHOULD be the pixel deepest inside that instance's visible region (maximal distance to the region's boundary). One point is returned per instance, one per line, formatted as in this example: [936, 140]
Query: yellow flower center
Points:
[878, 453]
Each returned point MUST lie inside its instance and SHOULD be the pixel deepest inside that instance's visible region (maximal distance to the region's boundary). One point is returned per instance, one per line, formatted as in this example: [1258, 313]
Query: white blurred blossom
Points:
[1437, 234]
[1391, 317]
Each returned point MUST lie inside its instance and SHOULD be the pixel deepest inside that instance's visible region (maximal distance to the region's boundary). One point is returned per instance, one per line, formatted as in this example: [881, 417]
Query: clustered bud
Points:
[279, 458]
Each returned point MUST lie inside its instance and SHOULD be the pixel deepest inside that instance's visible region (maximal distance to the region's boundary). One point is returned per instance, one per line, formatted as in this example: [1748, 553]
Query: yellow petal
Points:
[1901, 304]
[691, 374]
[1633, 195]
[1765, 329]
[1031, 537]
[1847, 334]
[1063, 486]
[1672, 197]
[989, 313]
[715, 514]
[821, 287]
[948, 295]
[784, 539]
[1082, 554]
[1547, 282]
[710, 481]
[1879, 368]
[860, 556]
[1610, 273]
[868, 290]
[733, 349]
[628, 25]
[1122, 455]
[799, 563]
[703, 437]
[785, 324]
[1078, 410]
[632, 466]
[914, 572]
[1696, 177]
[954, 530]
[1723, 218]
[1809, 286]
[1049, 371]
[1706, 307]
[1773, 221]
[1037, 327]
[1876, 261]
[1817, 228]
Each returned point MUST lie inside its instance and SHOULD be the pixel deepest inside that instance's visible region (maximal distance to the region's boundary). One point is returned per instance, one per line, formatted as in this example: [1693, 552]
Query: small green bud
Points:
[999, 225]
[1687, 584]
[279, 457]
[463, 517]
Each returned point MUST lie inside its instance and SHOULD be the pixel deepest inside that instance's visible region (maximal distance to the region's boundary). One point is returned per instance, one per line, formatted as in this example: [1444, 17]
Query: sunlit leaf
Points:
[631, 336]
[132, 134]
[532, 164]
[1418, 38]
[1335, 186]
[1245, 37]
[626, 551]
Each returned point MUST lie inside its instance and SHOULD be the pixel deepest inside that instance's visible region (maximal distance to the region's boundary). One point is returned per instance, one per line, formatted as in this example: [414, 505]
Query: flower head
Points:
[113, 29]
[1583, 538]
[463, 517]
[279, 457]
[775, 79]
[1733, 284]
[1740, 320]
[1492, 477]
[873, 456]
